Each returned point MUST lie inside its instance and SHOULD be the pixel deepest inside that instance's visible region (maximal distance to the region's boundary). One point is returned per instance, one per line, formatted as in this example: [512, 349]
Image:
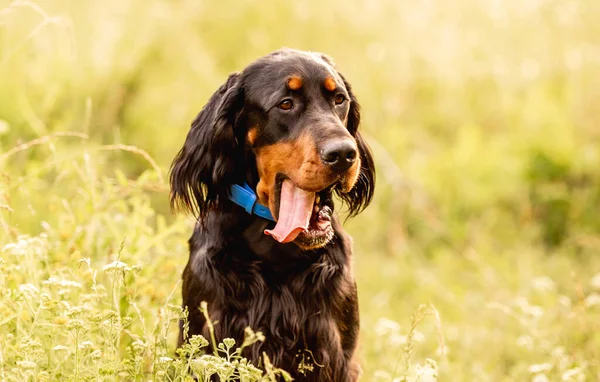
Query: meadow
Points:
[477, 261]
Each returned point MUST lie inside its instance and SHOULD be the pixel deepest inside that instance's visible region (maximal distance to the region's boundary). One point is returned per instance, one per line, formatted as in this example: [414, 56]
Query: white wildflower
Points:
[60, 347]
[96, 354]
[539, 368]
[229, 342]
[18, 249]
[74, 311]
[595, 282]
[385, 326]
[85, 260]
[26, 364]
[116, 266]
[558, 352]
[418, 336]
[75, 324]
[427, 373]
[543, 284]
[165, 359]
[397, 339]
[525, 341]
[62, 283]
[536, 311]
[592, 300]
[4, 127]
[9, 247]
[564, 301]
[138, 345]
[28, 289]
[572, 374]
[86, 345]
[540, 378]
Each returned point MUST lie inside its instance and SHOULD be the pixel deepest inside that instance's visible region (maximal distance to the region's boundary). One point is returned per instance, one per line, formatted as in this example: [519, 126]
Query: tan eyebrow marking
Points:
[294, 83]
[252, 133]
[330, 84]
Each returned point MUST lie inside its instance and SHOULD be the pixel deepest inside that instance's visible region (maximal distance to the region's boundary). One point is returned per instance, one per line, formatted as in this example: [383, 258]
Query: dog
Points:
[259, 169]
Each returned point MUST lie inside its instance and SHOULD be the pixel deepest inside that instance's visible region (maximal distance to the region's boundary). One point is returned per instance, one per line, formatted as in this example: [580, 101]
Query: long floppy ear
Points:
[361, 195]
[209, 162]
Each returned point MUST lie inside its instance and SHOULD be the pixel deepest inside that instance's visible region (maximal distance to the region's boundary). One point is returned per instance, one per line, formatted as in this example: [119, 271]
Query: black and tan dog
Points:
[286, 128]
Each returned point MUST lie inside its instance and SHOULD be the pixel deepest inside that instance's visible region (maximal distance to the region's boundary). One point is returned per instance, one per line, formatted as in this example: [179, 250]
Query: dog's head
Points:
[288, 125]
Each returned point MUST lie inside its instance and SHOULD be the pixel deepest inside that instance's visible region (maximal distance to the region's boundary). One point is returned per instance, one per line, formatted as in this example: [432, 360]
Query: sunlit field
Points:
[479, 259]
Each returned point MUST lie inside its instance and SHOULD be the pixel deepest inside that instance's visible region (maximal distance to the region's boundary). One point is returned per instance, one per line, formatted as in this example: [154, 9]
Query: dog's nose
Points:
[339, 155]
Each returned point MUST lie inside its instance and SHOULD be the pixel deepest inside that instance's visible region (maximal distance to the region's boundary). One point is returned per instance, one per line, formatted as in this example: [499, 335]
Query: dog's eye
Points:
[339, 99]
[286, 104]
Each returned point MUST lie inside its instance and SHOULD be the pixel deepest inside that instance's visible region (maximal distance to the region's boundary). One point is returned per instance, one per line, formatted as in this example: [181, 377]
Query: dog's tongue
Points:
[295, 209]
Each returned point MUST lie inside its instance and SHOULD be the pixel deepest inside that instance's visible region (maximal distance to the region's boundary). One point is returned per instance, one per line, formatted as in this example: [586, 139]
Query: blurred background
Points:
[484, 118]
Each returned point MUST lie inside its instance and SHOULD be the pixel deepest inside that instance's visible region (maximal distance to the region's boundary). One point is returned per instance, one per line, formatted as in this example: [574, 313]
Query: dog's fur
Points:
[301, 295]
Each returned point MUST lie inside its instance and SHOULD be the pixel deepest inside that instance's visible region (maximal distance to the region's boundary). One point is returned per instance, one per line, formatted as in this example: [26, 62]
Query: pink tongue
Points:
[295, 209]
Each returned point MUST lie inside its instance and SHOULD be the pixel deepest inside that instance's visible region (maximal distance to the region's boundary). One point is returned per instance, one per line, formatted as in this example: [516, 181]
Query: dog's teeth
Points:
[316, 209]
[318, 199]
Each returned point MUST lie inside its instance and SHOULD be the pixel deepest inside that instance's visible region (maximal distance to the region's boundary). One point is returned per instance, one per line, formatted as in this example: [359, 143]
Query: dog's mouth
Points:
[303, 217]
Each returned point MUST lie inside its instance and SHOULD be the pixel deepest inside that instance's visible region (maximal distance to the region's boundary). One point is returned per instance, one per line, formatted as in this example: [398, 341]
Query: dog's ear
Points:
[360, 196]
[209, 162]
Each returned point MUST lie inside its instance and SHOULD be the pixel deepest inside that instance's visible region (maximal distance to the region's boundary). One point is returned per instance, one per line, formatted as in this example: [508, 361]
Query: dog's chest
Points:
[292, 310]
[299, 320]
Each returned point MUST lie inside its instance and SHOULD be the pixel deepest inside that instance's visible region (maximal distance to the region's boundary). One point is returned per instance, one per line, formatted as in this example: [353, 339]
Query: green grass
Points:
[480, 261]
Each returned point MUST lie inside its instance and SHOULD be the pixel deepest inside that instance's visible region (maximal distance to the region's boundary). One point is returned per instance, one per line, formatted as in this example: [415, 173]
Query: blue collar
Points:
[245, 196]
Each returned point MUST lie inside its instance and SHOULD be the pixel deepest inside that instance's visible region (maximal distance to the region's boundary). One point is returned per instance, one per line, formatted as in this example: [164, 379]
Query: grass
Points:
[481, 258]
